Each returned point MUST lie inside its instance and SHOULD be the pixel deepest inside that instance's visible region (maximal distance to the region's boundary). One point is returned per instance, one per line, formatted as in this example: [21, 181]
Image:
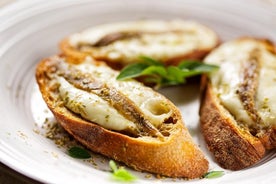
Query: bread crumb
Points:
[148, 176]
[22, 135]
[55, 155]
[36, 131]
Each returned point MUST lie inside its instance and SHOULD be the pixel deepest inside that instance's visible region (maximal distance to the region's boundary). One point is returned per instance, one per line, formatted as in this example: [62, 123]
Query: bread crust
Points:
[177, 156]
[233, 147]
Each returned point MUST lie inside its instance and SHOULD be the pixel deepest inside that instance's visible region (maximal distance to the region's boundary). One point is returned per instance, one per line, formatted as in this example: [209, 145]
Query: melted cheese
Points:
[266, 94]
[162, 46]
[91, 107]
[97, 110]
[226, 80]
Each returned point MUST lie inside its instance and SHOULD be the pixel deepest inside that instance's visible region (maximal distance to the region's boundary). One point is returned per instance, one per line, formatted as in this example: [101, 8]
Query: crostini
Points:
[123, 43]
[238, 102]
[123, 120]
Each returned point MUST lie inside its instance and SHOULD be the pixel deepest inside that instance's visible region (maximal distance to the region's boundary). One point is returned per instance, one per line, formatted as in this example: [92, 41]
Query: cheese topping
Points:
[227, 80]
[91, 107]
[160, 40]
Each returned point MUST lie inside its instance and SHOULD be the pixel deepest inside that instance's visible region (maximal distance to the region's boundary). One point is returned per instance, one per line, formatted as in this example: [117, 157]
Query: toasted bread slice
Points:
[238, 112]
[123, 120]
[122, 43]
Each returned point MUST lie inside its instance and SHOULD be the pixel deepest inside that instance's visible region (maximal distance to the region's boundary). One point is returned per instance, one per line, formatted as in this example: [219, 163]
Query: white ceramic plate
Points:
[31, 30]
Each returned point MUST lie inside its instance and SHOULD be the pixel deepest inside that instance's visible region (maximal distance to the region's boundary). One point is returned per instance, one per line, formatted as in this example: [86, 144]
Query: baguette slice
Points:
[238, 112]
[123, 120]
[123, 43]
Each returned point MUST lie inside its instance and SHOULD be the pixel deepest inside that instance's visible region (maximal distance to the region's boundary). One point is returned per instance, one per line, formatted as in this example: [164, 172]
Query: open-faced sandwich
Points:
[122, 43]
[123, 120]
[238, 105]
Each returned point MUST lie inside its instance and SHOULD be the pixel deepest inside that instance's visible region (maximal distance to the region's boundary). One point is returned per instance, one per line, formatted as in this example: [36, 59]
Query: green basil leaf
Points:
[175, 74]
[188, 64]
[151, 70]
[132, 71]
[78, 152]
[120, 173]
[113, 165]
[123, 175]
[193, 68]
[205, 68]
[153, 80]
[186, 74]
[157, 73]
[150, 61]
[213, 174]
[196, 65]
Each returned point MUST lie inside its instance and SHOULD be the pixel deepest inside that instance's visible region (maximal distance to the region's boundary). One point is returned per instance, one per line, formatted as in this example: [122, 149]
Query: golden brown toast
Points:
[123, 43]
[123, 120]
[238, 112]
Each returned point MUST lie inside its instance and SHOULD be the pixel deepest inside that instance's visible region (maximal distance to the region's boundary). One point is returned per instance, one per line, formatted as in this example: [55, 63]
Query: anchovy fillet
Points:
[115, 98]
[248, 86]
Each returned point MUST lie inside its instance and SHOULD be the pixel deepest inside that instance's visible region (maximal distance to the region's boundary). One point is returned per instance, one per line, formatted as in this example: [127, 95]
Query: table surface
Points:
[9, 176]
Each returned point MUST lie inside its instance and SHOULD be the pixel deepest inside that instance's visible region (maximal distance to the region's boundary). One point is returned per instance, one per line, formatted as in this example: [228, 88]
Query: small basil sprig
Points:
[120, 173]
[213, 174]
[78, 152]
[155, 72]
